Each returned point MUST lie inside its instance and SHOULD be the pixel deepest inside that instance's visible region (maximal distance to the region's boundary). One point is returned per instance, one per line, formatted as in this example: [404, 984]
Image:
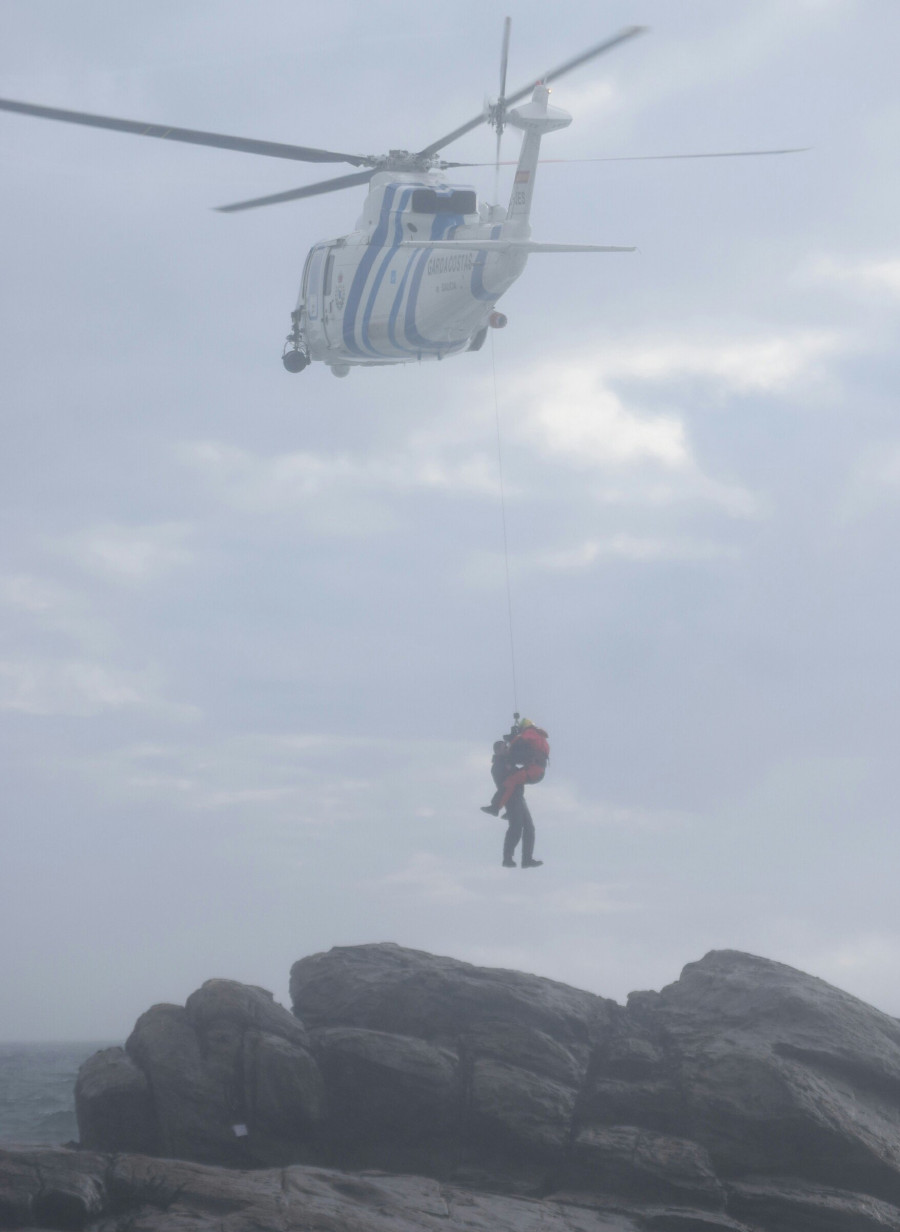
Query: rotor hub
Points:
[403, 160]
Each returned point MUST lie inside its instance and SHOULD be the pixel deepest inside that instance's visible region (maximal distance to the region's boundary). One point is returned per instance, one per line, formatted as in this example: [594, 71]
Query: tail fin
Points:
[535, 118]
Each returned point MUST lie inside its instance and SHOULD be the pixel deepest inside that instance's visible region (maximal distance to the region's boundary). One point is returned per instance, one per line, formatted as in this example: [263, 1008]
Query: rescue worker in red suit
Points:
[524, 761]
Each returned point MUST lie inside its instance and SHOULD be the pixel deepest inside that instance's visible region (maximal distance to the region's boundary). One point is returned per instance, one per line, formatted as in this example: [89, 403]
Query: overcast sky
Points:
[253, 626]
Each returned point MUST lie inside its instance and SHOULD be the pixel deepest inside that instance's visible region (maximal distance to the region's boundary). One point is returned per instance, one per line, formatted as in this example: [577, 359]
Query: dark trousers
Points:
[520, 826]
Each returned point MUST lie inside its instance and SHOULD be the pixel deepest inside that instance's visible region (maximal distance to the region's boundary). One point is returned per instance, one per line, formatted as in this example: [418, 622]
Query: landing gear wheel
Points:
[294, 361]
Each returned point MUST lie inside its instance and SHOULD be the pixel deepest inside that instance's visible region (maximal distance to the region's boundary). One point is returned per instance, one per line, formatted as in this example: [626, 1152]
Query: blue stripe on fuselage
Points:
[398, 300]
[376, 243]
[382, 270]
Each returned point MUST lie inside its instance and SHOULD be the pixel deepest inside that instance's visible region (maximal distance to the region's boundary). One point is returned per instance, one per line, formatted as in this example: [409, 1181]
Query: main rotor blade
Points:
[500, 117]
[295, 194]
[643, 158]
[628, 33]
[247, 145]
[504, 58]
[623, 35]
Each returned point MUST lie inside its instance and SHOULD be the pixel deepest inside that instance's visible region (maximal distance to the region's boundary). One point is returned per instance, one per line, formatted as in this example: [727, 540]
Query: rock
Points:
[141, 1194]
[283, 1090]
[408, 992]
[393, 1101]
[51, 1188]
[521, 1045]
[786, 1205]
[228, 1078]
[197, 1101]
[505, 1101]
[115, 1111]
[224, 1005]
[779, 1072]
[639, 1164]
[746, 1096]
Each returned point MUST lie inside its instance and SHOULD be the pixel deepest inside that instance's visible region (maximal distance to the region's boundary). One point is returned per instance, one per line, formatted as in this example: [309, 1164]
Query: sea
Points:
[37, 1091]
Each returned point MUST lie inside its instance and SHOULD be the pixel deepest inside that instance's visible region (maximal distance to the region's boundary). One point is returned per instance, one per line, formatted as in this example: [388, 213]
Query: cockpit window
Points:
[457, 201]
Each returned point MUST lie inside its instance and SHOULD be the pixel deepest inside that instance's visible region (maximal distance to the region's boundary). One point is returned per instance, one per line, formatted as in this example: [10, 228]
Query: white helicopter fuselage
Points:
[420, 276]
[372, 298]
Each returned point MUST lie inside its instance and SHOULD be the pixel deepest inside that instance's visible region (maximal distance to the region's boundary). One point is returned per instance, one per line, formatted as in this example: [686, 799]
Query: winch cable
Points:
[509, 605]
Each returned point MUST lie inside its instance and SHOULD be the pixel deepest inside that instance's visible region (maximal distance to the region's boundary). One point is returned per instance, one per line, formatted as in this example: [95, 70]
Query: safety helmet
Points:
[523, 723]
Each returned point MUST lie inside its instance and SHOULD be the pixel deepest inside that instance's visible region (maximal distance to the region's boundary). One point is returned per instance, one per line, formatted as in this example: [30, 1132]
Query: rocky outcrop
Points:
[746, 1095]
[408, 992]
[133, 1193]
[116, 1111]
[192, 1079]
[771, 1070]
[512, 1052]
[69, 1190]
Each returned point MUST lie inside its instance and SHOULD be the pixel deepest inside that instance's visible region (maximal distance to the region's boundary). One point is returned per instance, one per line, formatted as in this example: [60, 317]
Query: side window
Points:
[424, 201]
[306, 268]
[462, 202]
[313, 284]
[329, 270]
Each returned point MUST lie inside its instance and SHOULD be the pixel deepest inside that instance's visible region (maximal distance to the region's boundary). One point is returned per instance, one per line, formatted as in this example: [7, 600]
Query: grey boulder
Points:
[771, 1070]
[116, 1112]
[519, 1046]
[228, 1078]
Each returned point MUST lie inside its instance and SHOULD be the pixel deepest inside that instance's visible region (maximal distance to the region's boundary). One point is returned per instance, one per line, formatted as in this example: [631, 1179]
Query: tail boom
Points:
[535, 118]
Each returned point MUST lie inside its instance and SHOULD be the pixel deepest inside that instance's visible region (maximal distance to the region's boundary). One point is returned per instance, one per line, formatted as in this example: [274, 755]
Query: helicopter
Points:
[420, 276]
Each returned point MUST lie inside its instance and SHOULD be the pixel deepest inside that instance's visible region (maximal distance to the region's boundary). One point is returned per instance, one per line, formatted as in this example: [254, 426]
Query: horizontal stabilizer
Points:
[526, 246]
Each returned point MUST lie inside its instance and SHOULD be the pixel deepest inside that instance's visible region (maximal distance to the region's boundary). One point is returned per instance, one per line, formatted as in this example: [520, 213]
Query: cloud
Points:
[47, 606]
[130, 554]
[437, 880]
[263, 484]
[76, 687]
[770, 364]
[561, 800]
[305, 778]
[572, 413]
[431, 879]
[30, 594]
[874, 480]
[573, 410]
[690, 485]
[591, 898]
[63, 663]
[636, 548]
[617, 411]
[866, 275]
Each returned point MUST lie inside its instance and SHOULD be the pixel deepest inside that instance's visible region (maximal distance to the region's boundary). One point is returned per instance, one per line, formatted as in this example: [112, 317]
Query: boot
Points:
[532, 863]
[490, 808]
[510, 864]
